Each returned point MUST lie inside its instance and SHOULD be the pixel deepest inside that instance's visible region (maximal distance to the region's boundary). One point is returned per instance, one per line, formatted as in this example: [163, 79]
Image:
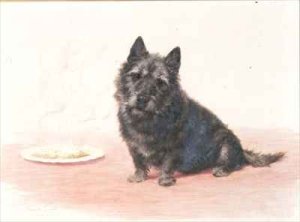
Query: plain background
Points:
[59, 61]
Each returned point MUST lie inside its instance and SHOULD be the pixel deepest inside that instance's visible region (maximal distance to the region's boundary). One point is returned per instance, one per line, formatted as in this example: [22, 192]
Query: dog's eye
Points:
[136, 76]
[161, 83]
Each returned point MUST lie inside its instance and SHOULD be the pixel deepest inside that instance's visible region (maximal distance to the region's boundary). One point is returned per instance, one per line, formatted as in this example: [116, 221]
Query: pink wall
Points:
[59, 61]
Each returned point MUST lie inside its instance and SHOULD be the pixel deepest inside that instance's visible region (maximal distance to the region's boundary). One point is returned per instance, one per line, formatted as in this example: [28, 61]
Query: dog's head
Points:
[147, 81]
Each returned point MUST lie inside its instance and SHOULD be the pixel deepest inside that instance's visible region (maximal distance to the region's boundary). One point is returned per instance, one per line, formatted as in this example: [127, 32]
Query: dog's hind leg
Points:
[221, 168]
[230, 156]
[229, 160]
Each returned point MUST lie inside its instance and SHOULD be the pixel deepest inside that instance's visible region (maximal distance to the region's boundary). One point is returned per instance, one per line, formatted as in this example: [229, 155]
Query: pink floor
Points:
[100, 186]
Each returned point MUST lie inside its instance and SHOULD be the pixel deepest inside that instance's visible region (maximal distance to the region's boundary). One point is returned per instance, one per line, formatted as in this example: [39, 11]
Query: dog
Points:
[166, 129]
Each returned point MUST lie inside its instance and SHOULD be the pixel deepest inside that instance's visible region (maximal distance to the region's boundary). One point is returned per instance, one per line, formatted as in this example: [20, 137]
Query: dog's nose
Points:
[142, 101]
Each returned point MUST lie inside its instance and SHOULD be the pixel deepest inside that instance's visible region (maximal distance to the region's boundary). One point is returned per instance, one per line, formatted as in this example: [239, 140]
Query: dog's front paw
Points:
[166, 181]
[136, 178]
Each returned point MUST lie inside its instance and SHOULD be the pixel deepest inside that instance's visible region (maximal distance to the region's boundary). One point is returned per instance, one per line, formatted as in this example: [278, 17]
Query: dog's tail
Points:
[261, 160]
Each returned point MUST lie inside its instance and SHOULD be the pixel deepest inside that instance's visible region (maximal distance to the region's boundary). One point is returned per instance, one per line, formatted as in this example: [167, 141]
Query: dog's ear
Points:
[172, 60]
[137, 50]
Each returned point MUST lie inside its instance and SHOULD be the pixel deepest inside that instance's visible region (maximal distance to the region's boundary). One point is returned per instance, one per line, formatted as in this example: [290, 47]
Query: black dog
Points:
[164, 128]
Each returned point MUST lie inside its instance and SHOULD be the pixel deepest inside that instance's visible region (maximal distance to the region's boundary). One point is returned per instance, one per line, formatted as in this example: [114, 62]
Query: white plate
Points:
[93, 153]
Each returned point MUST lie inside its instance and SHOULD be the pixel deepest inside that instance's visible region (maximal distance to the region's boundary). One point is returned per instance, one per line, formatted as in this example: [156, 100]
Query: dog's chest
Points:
[143, 150]
[144, 137]
[140, 142]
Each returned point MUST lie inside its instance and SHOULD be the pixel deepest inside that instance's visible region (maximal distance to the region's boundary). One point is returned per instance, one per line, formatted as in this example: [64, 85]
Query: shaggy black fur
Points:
[164, 128]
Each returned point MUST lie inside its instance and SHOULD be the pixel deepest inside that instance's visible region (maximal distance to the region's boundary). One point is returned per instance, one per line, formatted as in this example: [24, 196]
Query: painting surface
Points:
[58, 65]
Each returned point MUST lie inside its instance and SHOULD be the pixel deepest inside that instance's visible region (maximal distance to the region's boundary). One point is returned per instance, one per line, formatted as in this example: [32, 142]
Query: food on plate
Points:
[60, 153]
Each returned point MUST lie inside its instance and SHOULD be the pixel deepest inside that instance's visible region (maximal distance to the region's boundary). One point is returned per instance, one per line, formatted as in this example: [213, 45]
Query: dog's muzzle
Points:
[142, 102]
